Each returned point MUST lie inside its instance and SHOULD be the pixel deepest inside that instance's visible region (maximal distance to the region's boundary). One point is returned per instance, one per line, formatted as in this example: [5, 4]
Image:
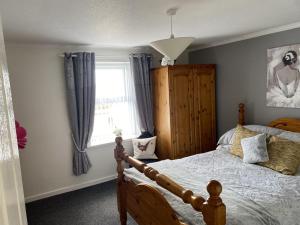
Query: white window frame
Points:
[109, 64]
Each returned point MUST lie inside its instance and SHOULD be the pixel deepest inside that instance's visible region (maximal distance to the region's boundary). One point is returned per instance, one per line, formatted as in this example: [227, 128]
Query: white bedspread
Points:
[253, 195]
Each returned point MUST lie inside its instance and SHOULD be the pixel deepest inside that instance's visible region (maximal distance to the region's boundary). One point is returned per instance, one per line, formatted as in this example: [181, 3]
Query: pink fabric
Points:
[21, 135]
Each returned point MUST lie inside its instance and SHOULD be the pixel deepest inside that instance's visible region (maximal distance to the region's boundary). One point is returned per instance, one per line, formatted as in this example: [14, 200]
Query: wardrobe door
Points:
[181, 109]
[161, 98]
[204, 108]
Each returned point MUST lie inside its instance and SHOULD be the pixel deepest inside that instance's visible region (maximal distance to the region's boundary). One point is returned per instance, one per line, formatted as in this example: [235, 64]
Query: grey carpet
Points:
[96, 205]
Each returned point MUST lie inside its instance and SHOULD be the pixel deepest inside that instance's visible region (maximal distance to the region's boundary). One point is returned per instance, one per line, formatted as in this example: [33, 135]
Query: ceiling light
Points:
[171, 48]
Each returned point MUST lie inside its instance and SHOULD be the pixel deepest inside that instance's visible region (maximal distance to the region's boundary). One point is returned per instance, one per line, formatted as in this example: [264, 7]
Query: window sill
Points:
[101, 146]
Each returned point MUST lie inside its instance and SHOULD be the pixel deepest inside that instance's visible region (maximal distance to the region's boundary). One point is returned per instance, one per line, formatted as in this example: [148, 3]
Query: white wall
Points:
[39, 97]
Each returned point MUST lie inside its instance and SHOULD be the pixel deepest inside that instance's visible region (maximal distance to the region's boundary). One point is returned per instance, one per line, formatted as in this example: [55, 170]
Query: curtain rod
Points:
[62, 55]
[105, 58]
[98, 56]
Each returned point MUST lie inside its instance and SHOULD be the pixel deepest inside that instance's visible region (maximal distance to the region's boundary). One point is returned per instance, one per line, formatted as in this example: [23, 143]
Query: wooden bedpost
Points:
[214, 210]
[121, 191]
[241, 114]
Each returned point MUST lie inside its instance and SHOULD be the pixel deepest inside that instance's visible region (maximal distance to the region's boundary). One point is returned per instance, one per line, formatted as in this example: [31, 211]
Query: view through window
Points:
[115, 106]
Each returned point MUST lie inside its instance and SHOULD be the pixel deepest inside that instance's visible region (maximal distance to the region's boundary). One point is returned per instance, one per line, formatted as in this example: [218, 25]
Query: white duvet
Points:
[253, 195]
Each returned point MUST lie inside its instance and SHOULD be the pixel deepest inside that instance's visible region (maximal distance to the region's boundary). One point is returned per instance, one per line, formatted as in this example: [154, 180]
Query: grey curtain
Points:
[140, 66]
[80, 80]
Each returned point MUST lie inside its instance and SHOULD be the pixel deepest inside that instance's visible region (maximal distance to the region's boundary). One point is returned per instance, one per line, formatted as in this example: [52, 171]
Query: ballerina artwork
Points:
[283, 76]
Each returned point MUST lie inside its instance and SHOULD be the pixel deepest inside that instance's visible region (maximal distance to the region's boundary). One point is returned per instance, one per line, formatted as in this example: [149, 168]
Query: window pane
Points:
[109, 83]
[115, 105]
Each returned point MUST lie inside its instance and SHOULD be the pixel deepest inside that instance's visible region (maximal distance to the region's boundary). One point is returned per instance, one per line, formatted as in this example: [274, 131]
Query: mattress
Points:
[253, 195]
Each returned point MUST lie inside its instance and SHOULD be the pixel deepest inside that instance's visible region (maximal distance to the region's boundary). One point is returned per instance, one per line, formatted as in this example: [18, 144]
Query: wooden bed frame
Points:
[147, 205]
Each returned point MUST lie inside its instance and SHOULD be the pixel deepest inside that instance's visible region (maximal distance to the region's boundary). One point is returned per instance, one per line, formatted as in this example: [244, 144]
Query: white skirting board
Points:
[69, 188]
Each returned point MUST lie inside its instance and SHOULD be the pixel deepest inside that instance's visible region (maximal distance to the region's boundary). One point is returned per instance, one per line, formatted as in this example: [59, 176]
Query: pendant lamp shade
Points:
[172, 47]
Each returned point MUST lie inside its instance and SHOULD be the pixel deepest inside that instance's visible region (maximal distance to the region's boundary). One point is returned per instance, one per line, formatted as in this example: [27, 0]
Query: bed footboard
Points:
[148, 206]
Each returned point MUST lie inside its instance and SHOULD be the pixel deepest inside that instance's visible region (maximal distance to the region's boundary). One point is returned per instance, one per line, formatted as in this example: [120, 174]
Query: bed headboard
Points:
[289, 124]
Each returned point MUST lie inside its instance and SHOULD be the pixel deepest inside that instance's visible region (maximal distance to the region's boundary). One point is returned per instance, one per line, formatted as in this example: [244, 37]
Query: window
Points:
[115, 106]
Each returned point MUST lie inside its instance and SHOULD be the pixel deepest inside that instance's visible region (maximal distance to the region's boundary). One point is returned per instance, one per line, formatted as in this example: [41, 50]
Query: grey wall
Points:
[241, 77]
[38, 87]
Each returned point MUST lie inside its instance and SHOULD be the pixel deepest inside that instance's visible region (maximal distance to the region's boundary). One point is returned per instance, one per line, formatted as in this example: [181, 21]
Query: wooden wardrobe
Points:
[184, 110]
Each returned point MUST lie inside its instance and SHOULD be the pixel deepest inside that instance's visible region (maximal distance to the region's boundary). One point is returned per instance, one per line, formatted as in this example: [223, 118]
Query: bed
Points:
[252, 194]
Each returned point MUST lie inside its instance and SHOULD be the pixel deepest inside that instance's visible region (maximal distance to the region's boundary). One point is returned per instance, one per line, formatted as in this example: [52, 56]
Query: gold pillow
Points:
[284, 155]
[240, 133]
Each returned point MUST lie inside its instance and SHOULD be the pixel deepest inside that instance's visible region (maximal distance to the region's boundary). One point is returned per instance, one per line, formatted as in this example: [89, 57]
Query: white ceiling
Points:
[127, 23]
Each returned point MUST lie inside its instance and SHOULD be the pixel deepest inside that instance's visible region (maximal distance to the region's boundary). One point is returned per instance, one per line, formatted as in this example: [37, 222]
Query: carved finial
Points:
[214, 211]
[242, 107]
[241, 114]
[119, 150]
[118, 141]
[214, 188]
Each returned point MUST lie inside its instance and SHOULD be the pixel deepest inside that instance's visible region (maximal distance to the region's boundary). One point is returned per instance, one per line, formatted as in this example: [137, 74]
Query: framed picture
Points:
[283, 76]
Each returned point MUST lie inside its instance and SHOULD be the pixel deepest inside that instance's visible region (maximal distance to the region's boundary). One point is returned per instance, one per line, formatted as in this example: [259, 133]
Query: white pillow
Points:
[144, 148]
[255, 149]
[264, 129]
[227, 138]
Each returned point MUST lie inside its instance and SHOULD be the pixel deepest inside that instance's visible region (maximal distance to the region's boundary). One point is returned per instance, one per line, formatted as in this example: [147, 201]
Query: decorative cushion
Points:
[240, 133]
[284, 155]
[292, 136]
[228, 137]
[144, 148]
[255, 149]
